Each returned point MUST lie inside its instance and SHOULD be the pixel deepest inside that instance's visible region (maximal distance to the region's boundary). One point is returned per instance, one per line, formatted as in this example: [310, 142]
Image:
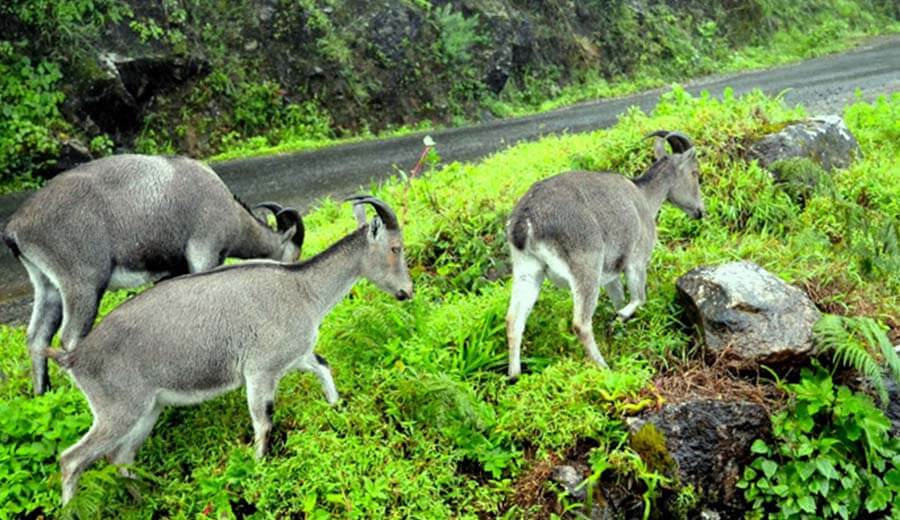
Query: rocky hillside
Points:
[86, 77]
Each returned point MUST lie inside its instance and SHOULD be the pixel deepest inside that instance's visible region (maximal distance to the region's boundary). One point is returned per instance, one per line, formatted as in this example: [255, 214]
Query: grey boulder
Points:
[824, 139]
[754, 315]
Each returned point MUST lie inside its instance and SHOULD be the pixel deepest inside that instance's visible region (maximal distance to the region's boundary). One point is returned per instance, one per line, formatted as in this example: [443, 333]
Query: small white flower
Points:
[428, 141]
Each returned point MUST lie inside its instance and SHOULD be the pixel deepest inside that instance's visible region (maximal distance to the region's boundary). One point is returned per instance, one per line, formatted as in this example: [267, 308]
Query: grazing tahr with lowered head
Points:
[584, 230]
[191, 338]
[123, 221]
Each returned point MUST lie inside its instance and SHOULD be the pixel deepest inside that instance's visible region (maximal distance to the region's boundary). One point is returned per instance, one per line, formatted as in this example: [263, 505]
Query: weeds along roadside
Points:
[430, 428]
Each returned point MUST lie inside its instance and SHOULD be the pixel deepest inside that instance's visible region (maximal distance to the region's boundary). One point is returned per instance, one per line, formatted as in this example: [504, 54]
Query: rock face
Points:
[824, 139]
[115, 100]
[709, 441]
[747, 310]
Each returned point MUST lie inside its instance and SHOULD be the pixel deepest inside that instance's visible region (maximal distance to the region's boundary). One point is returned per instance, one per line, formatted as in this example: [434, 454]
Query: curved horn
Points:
[274, 207]
[683, 140]
[288, 217]
[384, 211]
[679, 142]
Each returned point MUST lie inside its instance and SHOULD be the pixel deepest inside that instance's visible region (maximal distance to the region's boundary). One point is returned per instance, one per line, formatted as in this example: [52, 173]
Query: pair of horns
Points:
[384, 211]
[679, 142]
[285, 218]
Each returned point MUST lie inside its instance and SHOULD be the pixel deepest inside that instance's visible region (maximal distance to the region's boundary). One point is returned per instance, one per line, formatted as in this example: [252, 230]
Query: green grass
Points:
[429, 428]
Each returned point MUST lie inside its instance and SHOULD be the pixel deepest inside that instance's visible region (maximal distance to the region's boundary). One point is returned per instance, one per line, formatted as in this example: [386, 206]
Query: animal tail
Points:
[10, 242]
[63, 358]
[518, 233]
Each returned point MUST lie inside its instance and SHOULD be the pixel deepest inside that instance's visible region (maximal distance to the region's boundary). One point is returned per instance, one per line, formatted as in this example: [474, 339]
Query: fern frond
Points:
[829, 332]
[855, 343]
[877, 335]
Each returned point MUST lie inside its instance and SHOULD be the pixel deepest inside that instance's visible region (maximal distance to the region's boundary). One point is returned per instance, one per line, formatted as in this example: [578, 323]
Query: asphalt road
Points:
[823, 85]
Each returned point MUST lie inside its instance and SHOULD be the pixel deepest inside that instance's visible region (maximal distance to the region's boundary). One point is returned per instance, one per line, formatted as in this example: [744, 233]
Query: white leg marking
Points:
[528, 274]
[637, 280]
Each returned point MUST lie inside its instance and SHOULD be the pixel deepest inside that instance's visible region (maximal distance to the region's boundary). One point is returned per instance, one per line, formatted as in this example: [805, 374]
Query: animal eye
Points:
[395, 250]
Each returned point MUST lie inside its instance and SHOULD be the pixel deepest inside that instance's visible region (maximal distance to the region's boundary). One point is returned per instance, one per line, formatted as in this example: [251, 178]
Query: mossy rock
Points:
[801, 178]
[707, 443]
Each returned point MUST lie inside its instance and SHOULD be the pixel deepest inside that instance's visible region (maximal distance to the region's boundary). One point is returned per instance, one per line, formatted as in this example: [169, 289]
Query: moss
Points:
[801, 178]
[774, 127]
[650, 444]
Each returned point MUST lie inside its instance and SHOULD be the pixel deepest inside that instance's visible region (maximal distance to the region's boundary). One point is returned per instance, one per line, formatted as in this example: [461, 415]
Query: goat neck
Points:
[334, 271]
[656, 182]
[255, 240]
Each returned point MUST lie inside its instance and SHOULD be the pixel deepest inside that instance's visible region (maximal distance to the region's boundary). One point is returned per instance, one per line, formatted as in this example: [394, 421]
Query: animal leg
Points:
[261, 401]
[616, 293]
[528, 275]
[80, 299]
[637, 288]
[46, 316]
[585, 292]
[127, 449]
[319, 366]
[105, 434]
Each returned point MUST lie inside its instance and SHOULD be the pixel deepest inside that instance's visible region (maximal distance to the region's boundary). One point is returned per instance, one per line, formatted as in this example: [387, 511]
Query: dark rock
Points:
[824, 139]
[393, 34]
[753, 314]
[392, 30]
[709, 441]
[115, 100]
[72, 152]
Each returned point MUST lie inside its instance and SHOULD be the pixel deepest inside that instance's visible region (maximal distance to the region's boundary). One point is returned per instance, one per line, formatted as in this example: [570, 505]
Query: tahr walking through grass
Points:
[123, 221]
[192, 338]
[584, 230]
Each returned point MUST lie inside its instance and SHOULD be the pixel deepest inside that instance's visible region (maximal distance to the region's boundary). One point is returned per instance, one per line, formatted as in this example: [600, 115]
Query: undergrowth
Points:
[832, 456]
[429, 427]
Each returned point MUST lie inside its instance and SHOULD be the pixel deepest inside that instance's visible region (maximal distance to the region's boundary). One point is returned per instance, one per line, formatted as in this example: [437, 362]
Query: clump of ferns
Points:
[859, 343]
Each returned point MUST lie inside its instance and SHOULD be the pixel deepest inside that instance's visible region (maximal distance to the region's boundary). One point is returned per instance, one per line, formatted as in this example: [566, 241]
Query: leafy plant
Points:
[831, 456]
[859, 343]
[32, 433]
[458, 34]
[31, 120]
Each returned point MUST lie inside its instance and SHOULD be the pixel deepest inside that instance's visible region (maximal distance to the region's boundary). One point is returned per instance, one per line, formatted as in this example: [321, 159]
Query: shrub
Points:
[831, 456]
[31, 120]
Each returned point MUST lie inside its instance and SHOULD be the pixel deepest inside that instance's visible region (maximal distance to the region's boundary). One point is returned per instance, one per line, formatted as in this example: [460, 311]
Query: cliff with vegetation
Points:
[84, 78]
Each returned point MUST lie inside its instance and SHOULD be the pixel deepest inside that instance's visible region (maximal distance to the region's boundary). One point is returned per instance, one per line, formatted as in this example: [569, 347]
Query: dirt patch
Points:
[531, 493]
[844, 298]
[840, 296]
[716, 380]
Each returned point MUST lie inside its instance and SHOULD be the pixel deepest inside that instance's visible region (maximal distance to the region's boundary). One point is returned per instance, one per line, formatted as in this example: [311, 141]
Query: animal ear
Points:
[659, 148]
[295, 233]
[375, 228]
[359, 211]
